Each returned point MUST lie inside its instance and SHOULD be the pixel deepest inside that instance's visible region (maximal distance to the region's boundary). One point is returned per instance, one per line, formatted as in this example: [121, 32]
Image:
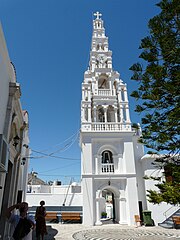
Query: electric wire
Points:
[67, 146]
[60, 143]
[53, 156]
[50, 170]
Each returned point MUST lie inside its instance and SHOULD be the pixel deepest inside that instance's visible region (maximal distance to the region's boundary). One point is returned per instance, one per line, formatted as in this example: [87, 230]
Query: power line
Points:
[57, 168]
[67, 146]
[53, 156]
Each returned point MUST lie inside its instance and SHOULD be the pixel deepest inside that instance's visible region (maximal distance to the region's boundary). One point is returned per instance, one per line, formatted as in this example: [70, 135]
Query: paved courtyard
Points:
[124, 234]
[109, 232]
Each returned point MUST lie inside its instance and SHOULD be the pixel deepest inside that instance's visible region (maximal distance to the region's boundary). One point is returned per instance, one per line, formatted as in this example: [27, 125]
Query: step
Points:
[165, 225]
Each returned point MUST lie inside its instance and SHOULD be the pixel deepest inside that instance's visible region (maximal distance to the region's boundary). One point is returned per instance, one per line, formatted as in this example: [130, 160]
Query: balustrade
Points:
[106, 127]
[107, 167]
[106, 92]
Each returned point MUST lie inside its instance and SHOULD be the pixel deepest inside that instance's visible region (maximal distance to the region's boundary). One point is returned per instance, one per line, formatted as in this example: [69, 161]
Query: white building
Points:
[55, 195]
[14, 151]
[110, 152]
[112, 159]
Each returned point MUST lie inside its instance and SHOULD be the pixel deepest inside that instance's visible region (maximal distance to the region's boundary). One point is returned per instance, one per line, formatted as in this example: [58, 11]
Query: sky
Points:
[49, 43]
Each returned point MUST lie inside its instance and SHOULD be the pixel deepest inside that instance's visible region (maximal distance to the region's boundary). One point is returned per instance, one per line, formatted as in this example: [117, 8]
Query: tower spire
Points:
[105, 104]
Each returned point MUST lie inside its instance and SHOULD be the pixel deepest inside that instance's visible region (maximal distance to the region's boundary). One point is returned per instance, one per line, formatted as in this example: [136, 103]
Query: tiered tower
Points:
[108, 142]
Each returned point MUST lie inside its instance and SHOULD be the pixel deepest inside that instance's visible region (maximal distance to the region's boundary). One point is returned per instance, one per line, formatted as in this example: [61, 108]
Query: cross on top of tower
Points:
[97, 15]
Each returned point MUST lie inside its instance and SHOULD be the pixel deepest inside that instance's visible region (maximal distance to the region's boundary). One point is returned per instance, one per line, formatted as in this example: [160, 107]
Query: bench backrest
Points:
[51, 215]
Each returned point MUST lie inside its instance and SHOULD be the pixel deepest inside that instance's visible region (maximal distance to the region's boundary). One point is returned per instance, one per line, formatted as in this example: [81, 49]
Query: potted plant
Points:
[103, 215]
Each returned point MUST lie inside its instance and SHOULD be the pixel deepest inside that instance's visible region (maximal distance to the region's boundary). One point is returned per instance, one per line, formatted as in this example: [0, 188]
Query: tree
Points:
[158, 90]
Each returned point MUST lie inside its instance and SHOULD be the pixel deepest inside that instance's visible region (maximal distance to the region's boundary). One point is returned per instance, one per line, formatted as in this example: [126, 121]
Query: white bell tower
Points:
[108, 142]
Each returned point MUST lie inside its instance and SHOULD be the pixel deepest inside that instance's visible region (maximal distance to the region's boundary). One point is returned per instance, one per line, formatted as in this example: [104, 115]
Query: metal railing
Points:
[171, 210]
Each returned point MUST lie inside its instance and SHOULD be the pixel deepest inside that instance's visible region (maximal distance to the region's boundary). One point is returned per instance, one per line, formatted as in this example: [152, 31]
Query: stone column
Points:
[98, 221]
[122, 209]
[82, 114]
[119, 95]
[89, 113]
[125, 94]
[96, 165]
[89, 93]
[121, 113]
[115, 114]
[127, 113]
[94, 111]
[105, 114]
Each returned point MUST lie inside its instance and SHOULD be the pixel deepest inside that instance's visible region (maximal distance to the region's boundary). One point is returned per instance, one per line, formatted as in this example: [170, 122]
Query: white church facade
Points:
[110, 152]
[113, 163]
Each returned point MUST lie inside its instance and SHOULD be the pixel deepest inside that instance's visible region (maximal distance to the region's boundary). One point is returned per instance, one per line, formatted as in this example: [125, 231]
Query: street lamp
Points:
[16, 140]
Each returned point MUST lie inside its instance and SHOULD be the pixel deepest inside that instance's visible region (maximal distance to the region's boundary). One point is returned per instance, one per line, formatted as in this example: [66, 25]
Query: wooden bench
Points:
[176, 221]
[70, 216]
[51, 217]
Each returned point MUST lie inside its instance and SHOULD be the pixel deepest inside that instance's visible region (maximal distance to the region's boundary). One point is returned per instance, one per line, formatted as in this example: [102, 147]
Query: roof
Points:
[34, 180]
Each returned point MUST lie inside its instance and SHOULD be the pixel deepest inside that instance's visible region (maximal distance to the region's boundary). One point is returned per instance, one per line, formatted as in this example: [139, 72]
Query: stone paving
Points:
[109, 232]
[125, 234]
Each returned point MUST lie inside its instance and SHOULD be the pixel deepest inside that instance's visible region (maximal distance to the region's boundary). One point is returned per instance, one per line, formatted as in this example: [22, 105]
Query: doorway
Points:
[109, 208]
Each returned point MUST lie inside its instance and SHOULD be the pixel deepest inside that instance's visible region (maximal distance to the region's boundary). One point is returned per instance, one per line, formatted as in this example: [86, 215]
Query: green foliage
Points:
[159, 91]
[169, 193]
[104, 214]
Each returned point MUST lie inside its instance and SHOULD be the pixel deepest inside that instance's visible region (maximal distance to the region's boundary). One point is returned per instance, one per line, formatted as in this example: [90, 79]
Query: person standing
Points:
[40, 221]
[22, 223]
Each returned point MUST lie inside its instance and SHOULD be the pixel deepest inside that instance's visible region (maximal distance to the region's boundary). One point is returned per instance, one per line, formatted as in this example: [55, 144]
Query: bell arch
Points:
[107, 147]
[103, 82]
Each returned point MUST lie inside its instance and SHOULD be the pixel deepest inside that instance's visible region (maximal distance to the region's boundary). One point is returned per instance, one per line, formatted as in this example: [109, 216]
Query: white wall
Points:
[157, 210]
[54, 195]
[34, 199]
[4, 79]
[132, 200]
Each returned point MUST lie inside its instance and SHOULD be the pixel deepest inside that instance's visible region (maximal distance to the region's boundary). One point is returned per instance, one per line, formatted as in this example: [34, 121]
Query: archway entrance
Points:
[110, 208]
[107, 207]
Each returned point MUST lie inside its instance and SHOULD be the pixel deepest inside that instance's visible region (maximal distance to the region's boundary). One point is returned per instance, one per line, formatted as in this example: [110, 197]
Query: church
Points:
[113, 163]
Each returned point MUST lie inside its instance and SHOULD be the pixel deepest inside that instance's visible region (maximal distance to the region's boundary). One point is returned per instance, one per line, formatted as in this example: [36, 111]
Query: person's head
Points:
[23, 208]
[42, 203]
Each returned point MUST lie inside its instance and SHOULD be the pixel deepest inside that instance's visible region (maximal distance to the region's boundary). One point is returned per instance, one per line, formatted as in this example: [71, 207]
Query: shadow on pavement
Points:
[51, 233]
[108, 221]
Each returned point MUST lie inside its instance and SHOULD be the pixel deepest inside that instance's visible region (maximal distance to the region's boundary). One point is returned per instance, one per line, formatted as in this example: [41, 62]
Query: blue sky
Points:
[49, 43]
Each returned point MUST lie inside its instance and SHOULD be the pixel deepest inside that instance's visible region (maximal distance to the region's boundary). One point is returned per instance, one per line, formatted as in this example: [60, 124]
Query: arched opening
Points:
[103, 82]
[108, 206]
[107, 157]
[86, 114]
[107, 161]
[110, 114]
[100, 114]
